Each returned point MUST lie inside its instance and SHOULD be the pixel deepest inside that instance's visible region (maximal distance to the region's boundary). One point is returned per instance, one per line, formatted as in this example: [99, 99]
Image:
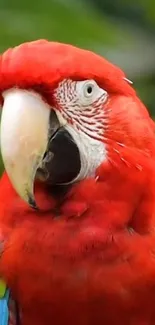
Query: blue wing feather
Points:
[4, 310]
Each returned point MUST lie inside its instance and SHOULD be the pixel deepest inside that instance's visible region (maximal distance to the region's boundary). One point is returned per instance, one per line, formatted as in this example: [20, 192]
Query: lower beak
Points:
[34, 143]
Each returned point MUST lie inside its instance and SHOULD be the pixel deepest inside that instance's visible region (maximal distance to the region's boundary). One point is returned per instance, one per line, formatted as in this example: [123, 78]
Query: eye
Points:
[88, 88]
[88, 91]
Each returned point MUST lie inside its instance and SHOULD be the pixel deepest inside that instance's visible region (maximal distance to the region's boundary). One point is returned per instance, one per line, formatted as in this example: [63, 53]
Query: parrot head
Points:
[66, 112]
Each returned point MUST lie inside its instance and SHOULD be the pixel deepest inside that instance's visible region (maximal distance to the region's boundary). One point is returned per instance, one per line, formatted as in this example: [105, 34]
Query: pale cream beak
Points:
[24, 138]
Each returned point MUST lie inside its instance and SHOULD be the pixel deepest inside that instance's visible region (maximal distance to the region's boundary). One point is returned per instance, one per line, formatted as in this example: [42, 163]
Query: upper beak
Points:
[24, 138]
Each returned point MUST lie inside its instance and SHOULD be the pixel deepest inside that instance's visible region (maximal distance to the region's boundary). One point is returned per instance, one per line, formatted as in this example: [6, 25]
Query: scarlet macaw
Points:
[81, 250]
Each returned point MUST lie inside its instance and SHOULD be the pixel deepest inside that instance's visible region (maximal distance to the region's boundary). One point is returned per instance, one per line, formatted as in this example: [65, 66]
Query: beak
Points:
[35, 144]
[24, 138]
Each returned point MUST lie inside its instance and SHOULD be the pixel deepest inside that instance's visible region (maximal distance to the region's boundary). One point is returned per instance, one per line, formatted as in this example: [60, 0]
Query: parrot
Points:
[77, 197]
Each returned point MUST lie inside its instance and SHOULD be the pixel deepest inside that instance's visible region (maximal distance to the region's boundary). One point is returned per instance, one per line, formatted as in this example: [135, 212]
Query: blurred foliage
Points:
[122, 31]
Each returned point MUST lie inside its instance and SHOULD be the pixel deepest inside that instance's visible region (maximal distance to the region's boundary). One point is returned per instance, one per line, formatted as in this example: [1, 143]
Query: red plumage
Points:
[89, 259]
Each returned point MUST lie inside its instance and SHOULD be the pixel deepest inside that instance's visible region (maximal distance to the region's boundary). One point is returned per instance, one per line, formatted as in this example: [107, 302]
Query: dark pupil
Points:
[89, 90]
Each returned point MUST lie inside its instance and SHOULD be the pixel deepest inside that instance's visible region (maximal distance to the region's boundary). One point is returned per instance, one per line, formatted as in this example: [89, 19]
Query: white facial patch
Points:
[92, 152]
[82, 113]
[81, 104]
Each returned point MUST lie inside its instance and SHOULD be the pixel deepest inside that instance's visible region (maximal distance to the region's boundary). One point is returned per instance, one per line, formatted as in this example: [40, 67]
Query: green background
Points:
[122, 31]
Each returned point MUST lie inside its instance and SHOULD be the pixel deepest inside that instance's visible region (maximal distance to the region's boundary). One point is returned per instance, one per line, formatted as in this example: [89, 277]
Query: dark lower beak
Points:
[61, 162]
